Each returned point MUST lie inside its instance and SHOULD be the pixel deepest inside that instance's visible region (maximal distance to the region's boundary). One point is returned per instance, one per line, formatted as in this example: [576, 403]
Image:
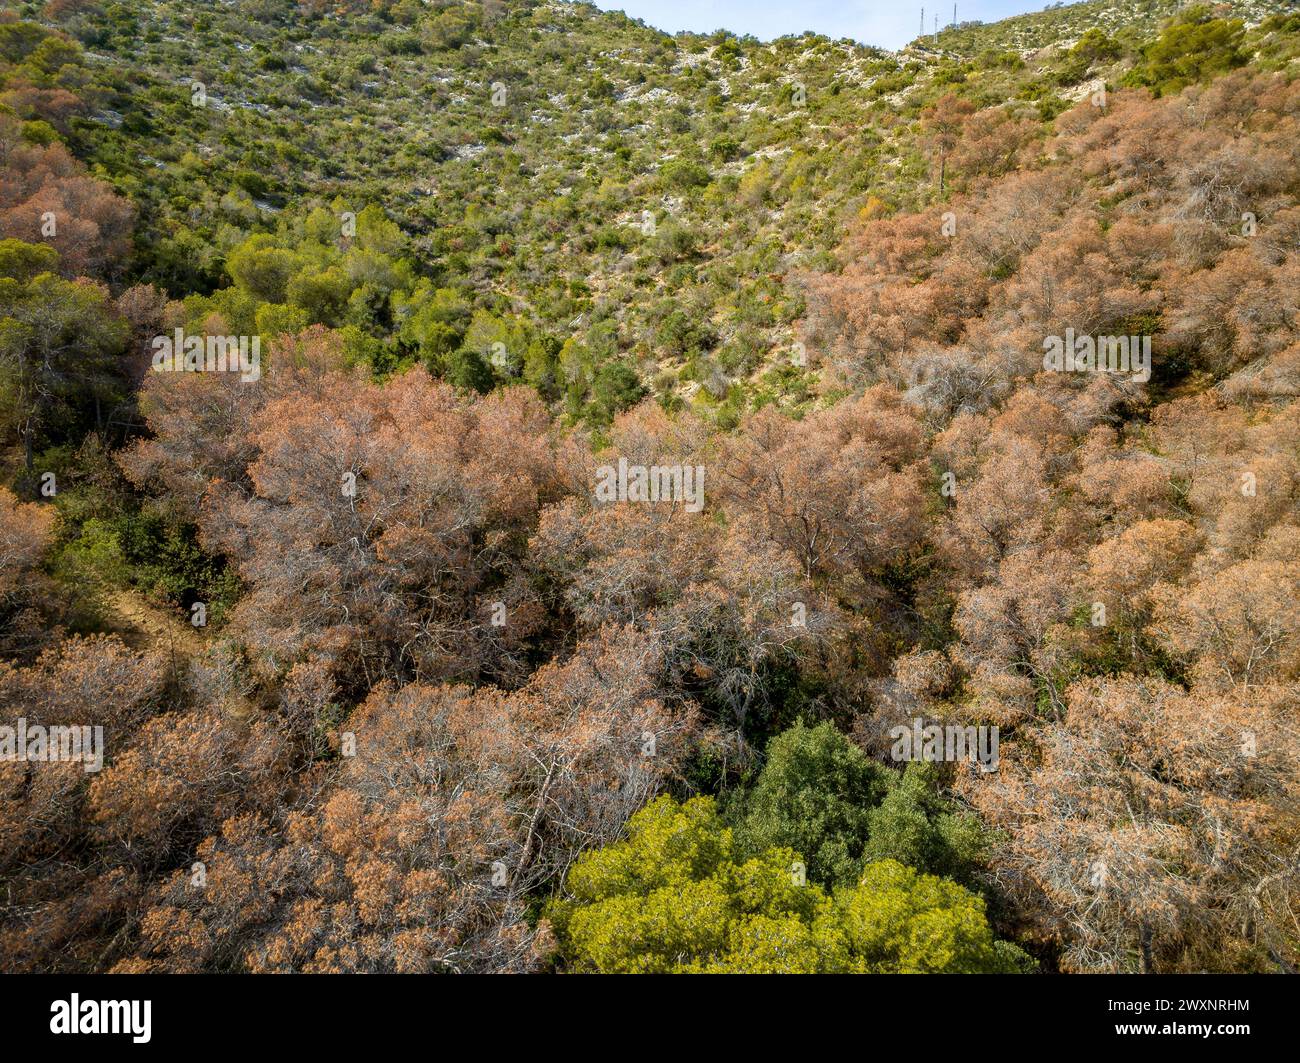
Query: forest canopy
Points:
[504, 489]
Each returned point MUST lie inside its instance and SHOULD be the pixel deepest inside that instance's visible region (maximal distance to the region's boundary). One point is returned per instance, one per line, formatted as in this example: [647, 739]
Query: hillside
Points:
[634, 199]
[603, 465]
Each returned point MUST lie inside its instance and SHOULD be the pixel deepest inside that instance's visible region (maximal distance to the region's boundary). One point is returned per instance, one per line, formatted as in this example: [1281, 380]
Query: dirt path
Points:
[145, 626]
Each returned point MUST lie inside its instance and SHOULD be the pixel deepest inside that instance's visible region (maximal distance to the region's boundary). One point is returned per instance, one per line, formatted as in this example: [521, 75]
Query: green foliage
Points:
[542, 366]
[313, 271]
[467, 370]
[675, 897]
[616, 387]
[1096, 45]
[916, 827]
[674, 242]
[39, 132]
[822, 796]
[93, 561]
[59, 342]
[262, 269]
[683, 174]
[814, 795]
[277, 319]
[433, 320]
[900, 920]
[1193, 47]
[20, 261]
[109, 539]
[724, 148]
[18, 40]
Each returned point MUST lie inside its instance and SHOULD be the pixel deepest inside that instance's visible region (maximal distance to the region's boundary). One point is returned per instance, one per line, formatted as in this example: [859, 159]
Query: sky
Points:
[886, 23]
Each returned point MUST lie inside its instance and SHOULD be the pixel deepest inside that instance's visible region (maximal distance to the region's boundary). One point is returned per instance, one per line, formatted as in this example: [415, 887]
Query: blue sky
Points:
[887, 23]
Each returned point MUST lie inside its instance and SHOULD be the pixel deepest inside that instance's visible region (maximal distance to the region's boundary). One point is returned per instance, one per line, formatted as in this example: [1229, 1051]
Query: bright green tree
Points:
[262, 269]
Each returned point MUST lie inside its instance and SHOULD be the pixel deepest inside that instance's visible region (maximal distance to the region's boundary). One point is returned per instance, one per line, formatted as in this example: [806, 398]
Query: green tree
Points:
[276, 319]
[542, 366]
[467, 369]
[814, 795]
[21, 261]
[898, 920]
[324, 295]
[820, 795]
[58, 345]
[433, 320]
[262, 269]
[916, 827]
[616, 387]
[683, 174]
